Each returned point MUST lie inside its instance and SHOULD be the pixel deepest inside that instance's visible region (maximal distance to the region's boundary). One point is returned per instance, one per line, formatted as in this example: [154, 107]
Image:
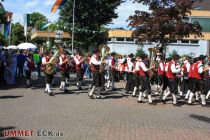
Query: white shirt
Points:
[43, 60]
[76, 59]
[60, 60]
[130, 66]
[200, 67]
[143, 66]
[174, 69]
[94, 61]
[137, 67]
[161, 66]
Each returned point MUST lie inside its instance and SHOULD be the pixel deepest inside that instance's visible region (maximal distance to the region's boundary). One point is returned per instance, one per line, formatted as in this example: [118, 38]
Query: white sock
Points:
[48, 87]
[108, 84]
[207, 96]
[196, 96]
[203, 99]
[187, 95]
[92, 91]
[144, 94]
[150, 98]
[181, 93]
[28, 82]
[190, 98]
[66, 80]
[140, 95]
[166, 95]
[134, 91]
[174, 98]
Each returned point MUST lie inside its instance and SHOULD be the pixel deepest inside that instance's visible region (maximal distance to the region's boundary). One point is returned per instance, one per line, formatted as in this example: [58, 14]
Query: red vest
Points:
[95, 68]
[190, 74]
[31, 65]
[142, 72]
[160, 72]
[78, 67]
[64, 67]
[169, 73]
[195, 71]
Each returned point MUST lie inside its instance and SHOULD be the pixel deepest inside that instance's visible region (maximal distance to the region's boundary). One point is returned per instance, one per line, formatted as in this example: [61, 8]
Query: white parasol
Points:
[12, 47]
[25, 46]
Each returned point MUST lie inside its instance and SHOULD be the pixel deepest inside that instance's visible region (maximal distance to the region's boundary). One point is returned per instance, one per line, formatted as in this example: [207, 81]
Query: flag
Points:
[57, 4]
[7, 29]
[46, 25]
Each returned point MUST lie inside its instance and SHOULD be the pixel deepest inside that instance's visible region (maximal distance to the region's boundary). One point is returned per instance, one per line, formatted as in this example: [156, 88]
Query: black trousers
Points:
[64, 75]
[80, 74]
[28, 75]
[165, 83]
[130, 82]
[97, 79]
[198, 85]
[173, 86]
[190, 86]
[48, 78]
[137, 81]
[145, 85]
[185, 85]
[207, 86]
[160, 80]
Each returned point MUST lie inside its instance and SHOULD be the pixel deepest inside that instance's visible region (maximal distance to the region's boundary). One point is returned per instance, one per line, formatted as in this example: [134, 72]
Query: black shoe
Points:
[189, 103]
[45, 92]
[163, 101]
[91, 96]
[80, 88]
[52, 94]
[133, 95]
[139, 101]
[176, 105]
[98, 97]
[204, 105]
[152, 103]
[61, 89]
[66, 90]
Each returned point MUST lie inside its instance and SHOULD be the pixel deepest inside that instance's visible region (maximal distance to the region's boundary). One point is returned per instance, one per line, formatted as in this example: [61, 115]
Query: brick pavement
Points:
[113, 117]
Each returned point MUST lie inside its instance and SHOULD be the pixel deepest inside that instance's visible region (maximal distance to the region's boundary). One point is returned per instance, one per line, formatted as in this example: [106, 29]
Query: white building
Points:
[120, 41]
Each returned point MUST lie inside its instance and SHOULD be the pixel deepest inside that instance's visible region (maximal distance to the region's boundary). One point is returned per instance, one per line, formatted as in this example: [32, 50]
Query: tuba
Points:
[152, 57]
[51, 68]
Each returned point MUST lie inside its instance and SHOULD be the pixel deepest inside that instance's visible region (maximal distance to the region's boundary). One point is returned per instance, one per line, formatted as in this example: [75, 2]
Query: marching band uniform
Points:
[190, 79]
[171, 74]
[145, 82]
[137, 76]
[29, 66]
[185, 74]
[79, 69]
[48, 77]
[95, 66]
[198, 80]
[63, 62]
[160, 75]
[130, 76]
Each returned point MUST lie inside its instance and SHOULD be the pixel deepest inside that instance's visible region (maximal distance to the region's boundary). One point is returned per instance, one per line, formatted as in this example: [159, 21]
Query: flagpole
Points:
[72, 36]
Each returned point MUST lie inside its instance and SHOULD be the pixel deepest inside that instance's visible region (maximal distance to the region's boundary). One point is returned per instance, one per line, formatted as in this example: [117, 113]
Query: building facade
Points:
[120, 41]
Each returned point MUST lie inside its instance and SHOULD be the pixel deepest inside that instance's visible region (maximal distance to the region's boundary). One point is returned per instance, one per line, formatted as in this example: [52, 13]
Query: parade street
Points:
[73, 116]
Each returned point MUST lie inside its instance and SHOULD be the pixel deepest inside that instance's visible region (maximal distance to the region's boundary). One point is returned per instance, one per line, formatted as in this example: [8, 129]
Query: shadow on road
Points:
[200, 118]
[10, 97]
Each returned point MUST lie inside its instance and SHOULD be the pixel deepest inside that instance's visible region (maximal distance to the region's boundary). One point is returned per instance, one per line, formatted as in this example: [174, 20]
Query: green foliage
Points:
[140, 52]
[3, 41]
[37, 20]
[174, 52]
[17, 34]
[90, 16]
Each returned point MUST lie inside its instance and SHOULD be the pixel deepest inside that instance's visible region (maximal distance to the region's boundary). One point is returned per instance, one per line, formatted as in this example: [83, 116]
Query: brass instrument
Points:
[51, 67]
[152, 62]
[104, 50]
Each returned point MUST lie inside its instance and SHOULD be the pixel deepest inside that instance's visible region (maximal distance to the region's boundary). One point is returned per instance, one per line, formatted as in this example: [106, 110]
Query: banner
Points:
[57, 5]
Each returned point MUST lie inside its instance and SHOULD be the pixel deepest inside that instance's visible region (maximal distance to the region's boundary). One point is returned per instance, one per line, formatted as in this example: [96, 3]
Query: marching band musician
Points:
[48, 77]
[160, 72]
[145, 82]
[63, 63]
[130, 75]
[198, 80]
[29, 66]
[185, 74]
[95, 66]
[137, 76]
[112, 71]
[79, 60]
[171, 72]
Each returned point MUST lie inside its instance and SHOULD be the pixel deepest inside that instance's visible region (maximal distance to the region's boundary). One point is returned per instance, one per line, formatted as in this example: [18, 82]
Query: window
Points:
[120, 39]
[130, 39]
[185, 41]
[204, 22]
[194, 41]
[173, 41]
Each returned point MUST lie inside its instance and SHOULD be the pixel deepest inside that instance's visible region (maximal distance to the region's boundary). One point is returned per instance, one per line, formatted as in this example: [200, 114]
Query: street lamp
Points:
[72, 36]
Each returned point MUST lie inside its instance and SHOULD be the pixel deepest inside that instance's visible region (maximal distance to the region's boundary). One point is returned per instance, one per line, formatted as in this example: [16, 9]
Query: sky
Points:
[20, 7]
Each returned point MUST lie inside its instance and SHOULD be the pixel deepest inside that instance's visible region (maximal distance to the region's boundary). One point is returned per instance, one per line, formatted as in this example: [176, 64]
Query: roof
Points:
[45, 34]
[200, 13]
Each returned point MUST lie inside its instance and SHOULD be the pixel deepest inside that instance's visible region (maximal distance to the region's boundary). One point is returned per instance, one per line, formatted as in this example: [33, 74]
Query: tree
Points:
[90, 16]
[140, 52]
[37, 20]
[17, 34]
[166, 20]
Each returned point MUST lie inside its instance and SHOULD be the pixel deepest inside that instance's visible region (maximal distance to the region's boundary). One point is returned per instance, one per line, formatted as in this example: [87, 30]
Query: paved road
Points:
[115, 117]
